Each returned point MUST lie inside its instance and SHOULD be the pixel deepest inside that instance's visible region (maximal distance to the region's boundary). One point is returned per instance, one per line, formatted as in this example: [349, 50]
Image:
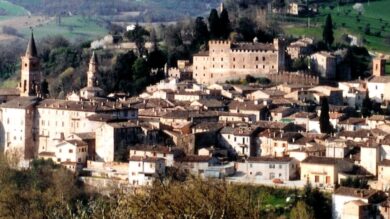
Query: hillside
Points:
[372, 26]
[143, 10]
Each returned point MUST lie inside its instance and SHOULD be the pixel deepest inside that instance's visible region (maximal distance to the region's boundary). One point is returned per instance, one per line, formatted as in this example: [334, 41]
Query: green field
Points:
[73, 28]
[375, 14]
[12, 9]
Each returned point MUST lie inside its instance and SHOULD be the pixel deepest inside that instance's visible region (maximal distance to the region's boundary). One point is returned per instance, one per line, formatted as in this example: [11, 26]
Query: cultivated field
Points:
[71, 27]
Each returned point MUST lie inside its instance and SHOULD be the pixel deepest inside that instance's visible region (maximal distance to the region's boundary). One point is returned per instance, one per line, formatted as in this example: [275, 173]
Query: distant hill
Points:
[149, 10]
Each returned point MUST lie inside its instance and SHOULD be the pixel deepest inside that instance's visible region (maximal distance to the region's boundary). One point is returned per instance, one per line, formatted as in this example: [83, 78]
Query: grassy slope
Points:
[12, 9]
[72, 28]
[373, 12]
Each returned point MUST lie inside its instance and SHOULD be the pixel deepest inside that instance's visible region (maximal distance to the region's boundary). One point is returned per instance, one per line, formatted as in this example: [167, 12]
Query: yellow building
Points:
[323, 171]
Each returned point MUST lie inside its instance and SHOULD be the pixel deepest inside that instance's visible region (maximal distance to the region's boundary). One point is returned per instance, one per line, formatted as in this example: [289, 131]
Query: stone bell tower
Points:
[92, 89]
[30, 79]
[92, 71]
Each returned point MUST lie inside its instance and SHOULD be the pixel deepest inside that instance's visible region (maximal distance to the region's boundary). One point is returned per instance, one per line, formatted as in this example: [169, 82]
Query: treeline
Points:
[65, 66]
[47, 190]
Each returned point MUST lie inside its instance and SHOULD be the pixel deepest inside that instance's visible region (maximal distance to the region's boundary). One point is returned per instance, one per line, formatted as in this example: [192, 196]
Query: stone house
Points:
[348, 202]
[269, 168]
[323, 171]
[144, 170]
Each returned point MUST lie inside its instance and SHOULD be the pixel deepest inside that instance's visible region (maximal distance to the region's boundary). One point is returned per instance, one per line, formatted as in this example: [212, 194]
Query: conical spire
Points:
[93, 59]
[31, 48]
[221, 7]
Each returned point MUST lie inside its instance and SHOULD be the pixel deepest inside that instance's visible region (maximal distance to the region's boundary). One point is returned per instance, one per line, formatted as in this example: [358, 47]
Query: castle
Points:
[226, 60]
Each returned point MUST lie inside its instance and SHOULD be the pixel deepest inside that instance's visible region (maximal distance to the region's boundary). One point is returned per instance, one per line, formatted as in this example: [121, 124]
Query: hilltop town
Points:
[234, 112]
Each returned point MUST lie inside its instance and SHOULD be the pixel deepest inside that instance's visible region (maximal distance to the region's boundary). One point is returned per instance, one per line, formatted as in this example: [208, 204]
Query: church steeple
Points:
[221, 7]
[30, 79]
[92, 89]
[92, 71]
[31, 48]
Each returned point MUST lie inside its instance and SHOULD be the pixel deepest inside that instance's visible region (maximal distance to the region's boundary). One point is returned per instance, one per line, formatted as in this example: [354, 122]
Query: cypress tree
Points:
[325, 125]
[201, 33]
[214, 25]
[366, 105]
[327, 33]
[225, 24]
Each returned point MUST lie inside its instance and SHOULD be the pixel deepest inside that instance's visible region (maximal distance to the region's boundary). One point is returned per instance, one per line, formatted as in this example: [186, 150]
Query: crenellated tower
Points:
[30, 79]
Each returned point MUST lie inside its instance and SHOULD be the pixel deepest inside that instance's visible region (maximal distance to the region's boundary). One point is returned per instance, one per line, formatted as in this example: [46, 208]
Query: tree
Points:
[246, 27]
[141, 75]
[225, 24]
[279, 4]
[318, 201]
[299, 64]
[367, 105]
[44, 88]
[214, 24]
[301, 211]
[325, 125]
[157, 59]
[355, 183]
[327, 34]
[201, 33]
[122, 75]
[137, 35]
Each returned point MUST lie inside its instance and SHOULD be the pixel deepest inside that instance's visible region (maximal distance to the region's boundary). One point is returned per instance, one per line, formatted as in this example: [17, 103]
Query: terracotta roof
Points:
[384, 163]
[9, 92]
[126, 124]
[103, 118]
[180, 114]
[84, 106]
[321, 160]
[304, 115]
[47, 154]
[353, 192]
[378, 118]
[253, 46]
[379, 79]
[353, 121]
[194, 159]
[210, 103]
[269, 159]
[357, 202]
[145, 159]
[361, 133]
[247, 105]
[155, 148]
[78, 143]
[209, 125]
[20, 102]
[86, 135]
